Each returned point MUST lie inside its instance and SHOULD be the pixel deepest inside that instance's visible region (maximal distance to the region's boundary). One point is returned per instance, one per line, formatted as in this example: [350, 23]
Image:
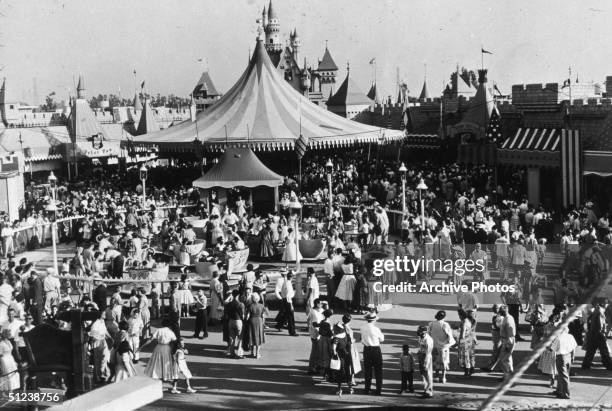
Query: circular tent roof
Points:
[264, 112]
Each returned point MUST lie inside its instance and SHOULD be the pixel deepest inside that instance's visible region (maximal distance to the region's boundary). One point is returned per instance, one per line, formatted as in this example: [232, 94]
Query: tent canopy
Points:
[263, 111]
[239, 167]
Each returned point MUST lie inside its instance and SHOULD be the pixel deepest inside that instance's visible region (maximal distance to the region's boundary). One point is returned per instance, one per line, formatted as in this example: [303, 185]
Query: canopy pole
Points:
[276, 199]
[251, 200]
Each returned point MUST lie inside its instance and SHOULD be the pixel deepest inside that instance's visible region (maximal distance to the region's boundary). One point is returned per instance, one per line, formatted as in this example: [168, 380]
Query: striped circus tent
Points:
[264, 112]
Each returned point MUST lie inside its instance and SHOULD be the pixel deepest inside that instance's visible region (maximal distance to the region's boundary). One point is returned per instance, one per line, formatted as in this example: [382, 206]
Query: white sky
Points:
[105, 40]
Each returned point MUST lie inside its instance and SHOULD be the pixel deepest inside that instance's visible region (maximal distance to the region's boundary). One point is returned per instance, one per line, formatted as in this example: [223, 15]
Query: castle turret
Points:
[327, 72]
[272, 29]
[81, 93]
[296, 43]
[305, 78]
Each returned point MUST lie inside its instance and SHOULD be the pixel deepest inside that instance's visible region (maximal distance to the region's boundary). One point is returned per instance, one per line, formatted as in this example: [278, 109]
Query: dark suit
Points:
[99, 297]
[38, 300]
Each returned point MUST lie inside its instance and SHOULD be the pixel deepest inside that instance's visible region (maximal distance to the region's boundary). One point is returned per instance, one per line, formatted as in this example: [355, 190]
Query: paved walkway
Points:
[279, 381]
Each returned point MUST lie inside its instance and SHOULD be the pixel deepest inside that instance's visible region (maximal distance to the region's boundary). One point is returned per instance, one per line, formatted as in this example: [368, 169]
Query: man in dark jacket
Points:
[37, 294]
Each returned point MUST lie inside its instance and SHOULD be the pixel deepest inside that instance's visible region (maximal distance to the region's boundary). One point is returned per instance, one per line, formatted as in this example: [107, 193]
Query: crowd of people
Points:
[466, 213]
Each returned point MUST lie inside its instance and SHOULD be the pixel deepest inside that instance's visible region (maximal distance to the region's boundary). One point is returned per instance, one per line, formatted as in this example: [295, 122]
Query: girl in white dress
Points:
[180, 364]
[347, 283]
[184, 295]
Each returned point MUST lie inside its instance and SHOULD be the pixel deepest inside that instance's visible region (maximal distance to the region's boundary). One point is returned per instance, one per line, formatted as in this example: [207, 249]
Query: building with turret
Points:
[317, 83]
[349, 101]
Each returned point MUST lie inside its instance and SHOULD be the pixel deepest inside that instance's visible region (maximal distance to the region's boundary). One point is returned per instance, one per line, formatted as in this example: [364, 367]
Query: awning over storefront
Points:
[597, 163]
[85, 149]
[536, 139]
[531, 147]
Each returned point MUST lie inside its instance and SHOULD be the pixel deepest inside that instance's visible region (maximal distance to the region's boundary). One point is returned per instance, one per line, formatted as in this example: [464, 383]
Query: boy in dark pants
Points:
[407, 369]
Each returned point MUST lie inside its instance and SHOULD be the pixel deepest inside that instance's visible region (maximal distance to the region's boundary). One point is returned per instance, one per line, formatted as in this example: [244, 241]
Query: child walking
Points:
[407, 369]
[181, 366]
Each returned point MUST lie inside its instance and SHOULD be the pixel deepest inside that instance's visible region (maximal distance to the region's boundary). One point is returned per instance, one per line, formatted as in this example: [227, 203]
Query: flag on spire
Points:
[483, 51]
[373, 60]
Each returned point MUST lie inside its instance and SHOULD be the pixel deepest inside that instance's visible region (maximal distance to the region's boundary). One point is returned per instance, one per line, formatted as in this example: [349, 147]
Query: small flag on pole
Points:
[373, 60]
[483, 51]
[567, 83]
[142, 85]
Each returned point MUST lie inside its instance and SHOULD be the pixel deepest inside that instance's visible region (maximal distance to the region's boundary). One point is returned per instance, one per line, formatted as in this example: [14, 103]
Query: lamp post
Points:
[403, 171]
[53, 207]
[143, 178]
[422, 187]
[329, 167]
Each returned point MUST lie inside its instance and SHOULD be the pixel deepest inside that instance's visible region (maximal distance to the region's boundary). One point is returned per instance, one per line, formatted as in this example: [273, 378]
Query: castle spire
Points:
[81, 88]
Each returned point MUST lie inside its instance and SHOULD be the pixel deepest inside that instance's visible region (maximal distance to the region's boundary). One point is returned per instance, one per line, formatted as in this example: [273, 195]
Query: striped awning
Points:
[533, 139]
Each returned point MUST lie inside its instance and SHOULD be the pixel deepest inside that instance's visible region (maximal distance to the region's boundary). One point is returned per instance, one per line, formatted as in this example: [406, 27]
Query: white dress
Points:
[161, 364]
[9, 380]
[184, 294]
[291, 251]
[347, 283]
[181, 364]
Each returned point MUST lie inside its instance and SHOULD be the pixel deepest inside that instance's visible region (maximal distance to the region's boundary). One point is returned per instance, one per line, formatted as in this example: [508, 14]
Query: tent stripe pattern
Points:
[263, 103]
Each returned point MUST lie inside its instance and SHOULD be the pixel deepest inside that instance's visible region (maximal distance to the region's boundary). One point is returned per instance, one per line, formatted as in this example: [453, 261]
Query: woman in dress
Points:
[124, 354]
[547, 364]
[240, 207]
[341, 349]
[266, 246]
[161, 364]
[325, 343]
[291, 252]
[346, 287]
[443, 339]
[537, 318]
[255, 324]
[185, 295]
[216, 298]
[145, 313]
[9, 379]
[216, 230]
[467, 342]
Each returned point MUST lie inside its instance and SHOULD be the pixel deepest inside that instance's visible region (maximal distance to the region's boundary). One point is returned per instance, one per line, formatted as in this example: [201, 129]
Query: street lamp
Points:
[329, 168]
[422, 187]
[53, 207]
[403, 171]
[143, 178]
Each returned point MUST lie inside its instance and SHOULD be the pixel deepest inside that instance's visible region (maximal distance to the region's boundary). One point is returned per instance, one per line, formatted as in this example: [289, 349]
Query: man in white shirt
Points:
[312, 289]
[13, 324]
[564, 347]
[371, 337]
[314, 318]
[285, 293]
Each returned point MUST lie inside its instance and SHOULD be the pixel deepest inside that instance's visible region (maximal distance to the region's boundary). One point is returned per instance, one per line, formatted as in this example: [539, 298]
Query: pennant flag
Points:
[496, 89]
[483, 51]
[301, 145]
[571, 167]
[142, 85]
[567, 83]
[493, 134]
[373, 60]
